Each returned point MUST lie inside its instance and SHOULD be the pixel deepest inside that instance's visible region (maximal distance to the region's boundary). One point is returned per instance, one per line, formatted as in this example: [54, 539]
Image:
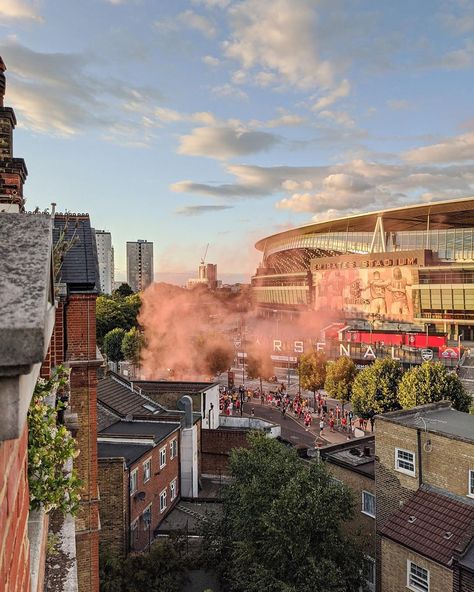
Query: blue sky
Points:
[221, 121]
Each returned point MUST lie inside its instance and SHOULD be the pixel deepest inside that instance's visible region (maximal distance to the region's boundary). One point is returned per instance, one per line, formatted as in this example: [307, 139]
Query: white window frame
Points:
[413, 586]
[403, 469]
[148, 508]
[146, 463]
[173, 448]
[174, 489]
[133, 478]
[163, 494]
[364, 511]
[470, 483]
[162, 456]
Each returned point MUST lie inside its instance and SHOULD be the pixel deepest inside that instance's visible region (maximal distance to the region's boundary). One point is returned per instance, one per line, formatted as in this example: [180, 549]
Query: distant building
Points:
[207, 275]
[105, 255]
[139, 264]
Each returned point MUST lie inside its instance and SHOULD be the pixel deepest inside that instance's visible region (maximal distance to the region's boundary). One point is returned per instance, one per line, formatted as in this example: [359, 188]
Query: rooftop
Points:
[355, 455]
[433, 523]
[155, 429]
[159, 387]
[454, 213]
[130, 452]
[437, 418]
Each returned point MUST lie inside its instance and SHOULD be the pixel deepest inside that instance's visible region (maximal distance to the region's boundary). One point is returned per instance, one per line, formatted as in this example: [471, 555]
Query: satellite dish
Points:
[312, 452]
[129, 417]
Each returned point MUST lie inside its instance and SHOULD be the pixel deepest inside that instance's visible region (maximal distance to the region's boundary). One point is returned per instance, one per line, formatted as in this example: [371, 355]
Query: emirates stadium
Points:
[396, 277]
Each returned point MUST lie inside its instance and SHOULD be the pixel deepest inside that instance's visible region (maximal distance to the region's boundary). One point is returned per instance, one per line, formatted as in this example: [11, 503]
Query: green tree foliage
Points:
[218, 358]
[132, 344]
[289, 540]
[122, 291]
[429, 383]
[113, 344]
[375, 388]
[340, 378]
[160, 570]
[117, 312]
[312, 371]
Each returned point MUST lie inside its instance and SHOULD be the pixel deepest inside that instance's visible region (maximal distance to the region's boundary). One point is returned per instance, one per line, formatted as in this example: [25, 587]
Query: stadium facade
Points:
[397, 274]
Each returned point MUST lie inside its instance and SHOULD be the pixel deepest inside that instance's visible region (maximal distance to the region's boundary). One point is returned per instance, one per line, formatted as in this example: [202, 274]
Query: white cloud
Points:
[187, 19]
[279, 38]
[225, 142]
[456, 149]
[166, 115]
[19, 9]
[289, 119]
[341, 91]
[198, 210]
[398, 104]
[229, 91]
[212, 3]
[459, 59]
[211, 61]
[338, 117]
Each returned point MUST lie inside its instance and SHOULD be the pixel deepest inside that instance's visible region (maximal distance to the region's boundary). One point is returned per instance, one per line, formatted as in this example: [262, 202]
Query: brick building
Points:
[139, 479]
[424, 480]
[353, 464]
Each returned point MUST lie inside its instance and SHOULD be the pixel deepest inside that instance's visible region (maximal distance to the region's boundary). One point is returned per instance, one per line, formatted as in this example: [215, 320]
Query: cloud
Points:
[221, 191]
[459, 59]
[225, 142]
[19, 10]
[279, 38]
[57, 95]
[398, 104]
[457, 149]
[166, 115]
[229, 91]
[341, 91]
[211, 61]
[187, 19]
[198, 210]
[212, 3]
[338, 117]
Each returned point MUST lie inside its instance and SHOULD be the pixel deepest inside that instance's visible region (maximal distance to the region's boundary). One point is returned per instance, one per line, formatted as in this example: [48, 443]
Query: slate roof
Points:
[80, 268]
[130, 452]
[159, 387]
[157, 430]
[105, 417]
[26, 291]
[433, 524]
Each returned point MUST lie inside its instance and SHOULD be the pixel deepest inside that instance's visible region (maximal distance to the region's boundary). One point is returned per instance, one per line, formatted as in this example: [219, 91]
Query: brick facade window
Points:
[368, 504]
[418, 578]
[163, 500]
[471, 484]
[370, 576]
[147, 515]
[147, 470]
[173, 489]
[173, 448]
[163, 457]
[133, 481]
[404, 461]
[134, 530]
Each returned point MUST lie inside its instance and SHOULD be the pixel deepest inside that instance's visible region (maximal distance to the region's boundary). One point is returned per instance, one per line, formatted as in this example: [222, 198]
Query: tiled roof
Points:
[105, 417]
[79, 268]
[432, 524]
[169, 386]
[118, 397]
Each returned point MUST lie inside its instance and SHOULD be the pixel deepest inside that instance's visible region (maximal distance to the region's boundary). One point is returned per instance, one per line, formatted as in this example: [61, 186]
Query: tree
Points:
[259, 365]
[289, 541]
[375, 388]
[132, 344]
[312, 371]
[113, 344]
[429, 383]
[112, 313]
[123, 290]
[218, 358]
[340, 377]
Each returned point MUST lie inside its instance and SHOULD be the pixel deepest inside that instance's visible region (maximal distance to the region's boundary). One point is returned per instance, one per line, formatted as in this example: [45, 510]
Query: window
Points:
[134, 529]
[370, 575]
[146, 470]
[133, 481]
[173, 489]
[405, 461]
[174, 448]
[471, 484]
[162, 457]
[368, 503]
[418, 578]
[146, 516]
[163, 500]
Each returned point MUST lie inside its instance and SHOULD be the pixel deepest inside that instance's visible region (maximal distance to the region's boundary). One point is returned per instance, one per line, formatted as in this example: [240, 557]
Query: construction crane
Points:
[203, 258]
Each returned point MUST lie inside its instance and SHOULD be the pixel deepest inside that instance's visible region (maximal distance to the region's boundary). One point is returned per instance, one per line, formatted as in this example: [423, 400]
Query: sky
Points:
[223, 121]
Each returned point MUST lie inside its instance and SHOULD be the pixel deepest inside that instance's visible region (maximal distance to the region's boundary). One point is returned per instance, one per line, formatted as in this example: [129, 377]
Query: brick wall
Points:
[394, 575]
[113, 506]
[216, 446]
[362, 526]
[55, 355]
[14, 504]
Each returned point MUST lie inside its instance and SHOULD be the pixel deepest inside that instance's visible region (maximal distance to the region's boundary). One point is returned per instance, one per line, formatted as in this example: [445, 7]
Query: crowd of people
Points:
[334, 418]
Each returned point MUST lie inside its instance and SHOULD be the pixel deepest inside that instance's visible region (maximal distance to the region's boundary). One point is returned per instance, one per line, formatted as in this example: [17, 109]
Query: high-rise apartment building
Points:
[105, 255]
[139, 264]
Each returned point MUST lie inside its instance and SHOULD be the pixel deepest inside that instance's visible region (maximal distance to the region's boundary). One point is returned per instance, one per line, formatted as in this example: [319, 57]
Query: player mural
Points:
[384, 292]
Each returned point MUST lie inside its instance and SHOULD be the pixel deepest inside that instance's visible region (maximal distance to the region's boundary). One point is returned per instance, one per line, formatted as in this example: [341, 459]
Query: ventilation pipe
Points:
[186, 404]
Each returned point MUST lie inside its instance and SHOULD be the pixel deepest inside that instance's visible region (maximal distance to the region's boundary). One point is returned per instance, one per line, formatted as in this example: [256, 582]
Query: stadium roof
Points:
[442, 214]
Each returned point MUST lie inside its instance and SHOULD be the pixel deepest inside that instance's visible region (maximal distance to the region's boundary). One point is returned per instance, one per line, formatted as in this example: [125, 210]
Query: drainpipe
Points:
[420, 468]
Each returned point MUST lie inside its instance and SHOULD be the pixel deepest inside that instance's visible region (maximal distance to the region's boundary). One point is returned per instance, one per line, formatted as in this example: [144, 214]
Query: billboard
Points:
[363, 287]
